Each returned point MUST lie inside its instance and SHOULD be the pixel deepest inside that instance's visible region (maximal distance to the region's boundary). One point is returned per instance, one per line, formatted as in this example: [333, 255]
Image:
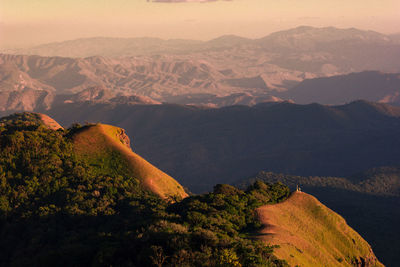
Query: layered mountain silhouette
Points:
[223, 71]
[107, 149]
[367, 200]
[325, 50]
[231, 115]
[370, 85]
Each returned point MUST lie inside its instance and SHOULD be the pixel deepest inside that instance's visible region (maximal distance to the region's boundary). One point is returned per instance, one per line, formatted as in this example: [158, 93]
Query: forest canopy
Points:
[55, 209]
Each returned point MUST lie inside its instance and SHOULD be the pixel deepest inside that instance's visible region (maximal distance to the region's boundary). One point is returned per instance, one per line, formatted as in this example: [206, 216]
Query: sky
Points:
[31, 22]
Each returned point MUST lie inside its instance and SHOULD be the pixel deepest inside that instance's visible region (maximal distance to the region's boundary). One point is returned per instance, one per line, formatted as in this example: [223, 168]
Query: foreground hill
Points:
[310, 234]
[368, 200]
[383, 181]
[80, 196]
[226, 70]
[29, 82]
[98, 149]
[108, 148]
[370, 85]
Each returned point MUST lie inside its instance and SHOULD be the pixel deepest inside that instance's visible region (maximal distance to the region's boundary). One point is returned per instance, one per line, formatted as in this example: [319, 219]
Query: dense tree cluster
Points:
[383, 181]
[56, 210]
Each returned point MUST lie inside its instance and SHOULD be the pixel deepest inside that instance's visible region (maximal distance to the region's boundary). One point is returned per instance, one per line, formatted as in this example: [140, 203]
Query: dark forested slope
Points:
[200, 146]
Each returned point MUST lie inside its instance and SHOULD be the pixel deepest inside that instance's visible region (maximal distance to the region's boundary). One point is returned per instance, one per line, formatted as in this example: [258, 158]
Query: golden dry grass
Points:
[49, 122]
[102, 141]
[310, 234]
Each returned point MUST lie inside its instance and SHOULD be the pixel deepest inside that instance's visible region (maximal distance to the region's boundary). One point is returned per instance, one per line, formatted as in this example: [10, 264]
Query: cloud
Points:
[184, 1]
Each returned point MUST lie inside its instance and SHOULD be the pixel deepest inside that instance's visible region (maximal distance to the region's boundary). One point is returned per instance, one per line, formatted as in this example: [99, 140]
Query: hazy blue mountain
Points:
[370, 85]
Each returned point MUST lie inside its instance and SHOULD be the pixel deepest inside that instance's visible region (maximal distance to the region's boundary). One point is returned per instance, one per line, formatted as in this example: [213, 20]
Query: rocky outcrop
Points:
[367, 261]
[123, 137]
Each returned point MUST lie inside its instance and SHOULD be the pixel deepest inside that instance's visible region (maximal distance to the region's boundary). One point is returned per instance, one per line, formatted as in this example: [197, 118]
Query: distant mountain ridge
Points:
[227, 67]
[327, 50]
[306, 37]
[105, 202]
[159, 79]
[106, 149]
[111, 47]
[382, 181]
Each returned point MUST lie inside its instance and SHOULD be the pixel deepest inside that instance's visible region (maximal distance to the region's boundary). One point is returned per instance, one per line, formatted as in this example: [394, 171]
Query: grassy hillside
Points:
[310, 234]
[107, 149]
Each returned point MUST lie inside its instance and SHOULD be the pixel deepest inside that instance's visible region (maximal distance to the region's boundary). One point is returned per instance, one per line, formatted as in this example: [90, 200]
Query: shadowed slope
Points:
[107, 147]
[310, 234]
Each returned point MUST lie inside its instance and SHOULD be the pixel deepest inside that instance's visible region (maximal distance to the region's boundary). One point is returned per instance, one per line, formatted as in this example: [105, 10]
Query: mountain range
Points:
[304, 38]
[160, 79]
[29, 83]
[80, 195]
[322, 51]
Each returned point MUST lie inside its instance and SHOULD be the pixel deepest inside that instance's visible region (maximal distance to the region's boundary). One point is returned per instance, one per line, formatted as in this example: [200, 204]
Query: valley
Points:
[93, 200]
[224, 71]
[329, 146]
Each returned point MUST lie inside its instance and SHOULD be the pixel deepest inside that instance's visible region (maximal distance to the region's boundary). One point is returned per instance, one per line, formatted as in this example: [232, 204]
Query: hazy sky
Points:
[26, 22]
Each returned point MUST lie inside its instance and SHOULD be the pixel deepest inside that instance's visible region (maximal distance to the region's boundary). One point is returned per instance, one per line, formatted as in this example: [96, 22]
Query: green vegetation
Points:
[368, 201]
[58, 210]
[383, 181]
[106, 149]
